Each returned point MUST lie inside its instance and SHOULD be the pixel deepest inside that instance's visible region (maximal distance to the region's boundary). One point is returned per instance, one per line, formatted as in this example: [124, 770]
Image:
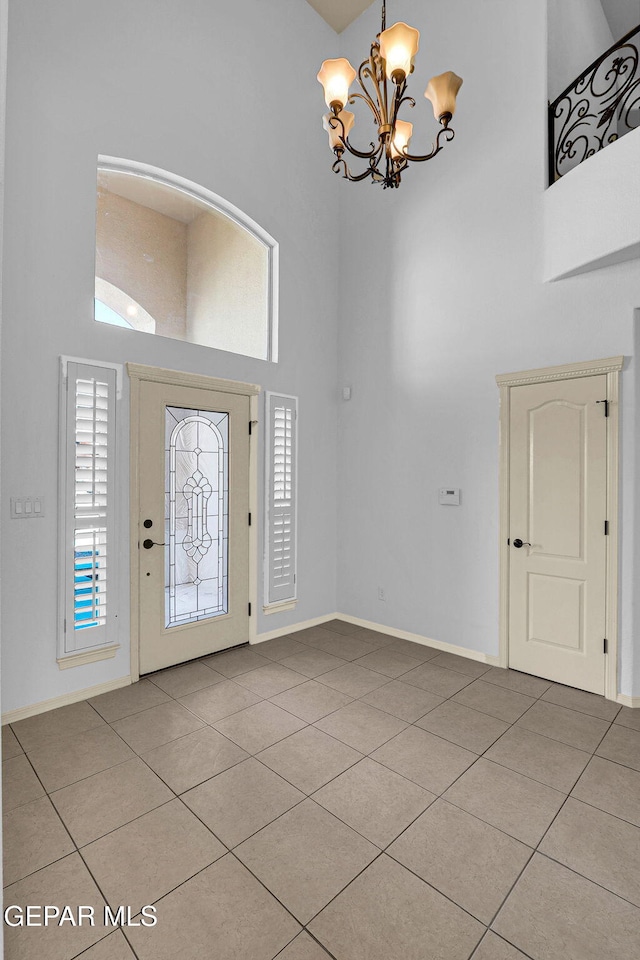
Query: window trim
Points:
[227, 209]
[71, 654]
[287, 603]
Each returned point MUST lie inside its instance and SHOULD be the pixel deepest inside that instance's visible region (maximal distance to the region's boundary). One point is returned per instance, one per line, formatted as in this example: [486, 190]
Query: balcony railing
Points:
[599, 107]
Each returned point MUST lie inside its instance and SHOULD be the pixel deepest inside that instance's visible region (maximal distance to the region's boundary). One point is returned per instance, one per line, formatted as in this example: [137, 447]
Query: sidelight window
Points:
[280, 539]
[88, 396]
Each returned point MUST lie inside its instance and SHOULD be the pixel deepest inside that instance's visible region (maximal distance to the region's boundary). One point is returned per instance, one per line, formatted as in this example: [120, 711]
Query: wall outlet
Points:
[381, 594]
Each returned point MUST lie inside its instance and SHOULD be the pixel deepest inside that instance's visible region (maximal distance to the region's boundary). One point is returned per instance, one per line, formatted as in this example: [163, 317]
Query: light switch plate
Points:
[27, 508]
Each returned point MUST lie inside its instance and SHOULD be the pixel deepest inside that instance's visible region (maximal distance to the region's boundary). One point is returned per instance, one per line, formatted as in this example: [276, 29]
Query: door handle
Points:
[147, 544]
[517, 543]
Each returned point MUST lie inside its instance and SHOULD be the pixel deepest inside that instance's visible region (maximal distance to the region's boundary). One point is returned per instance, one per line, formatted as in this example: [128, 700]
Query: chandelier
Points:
[382, 78]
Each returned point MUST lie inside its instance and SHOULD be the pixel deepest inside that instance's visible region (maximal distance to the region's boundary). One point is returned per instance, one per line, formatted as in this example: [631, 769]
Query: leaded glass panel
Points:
[196, 515]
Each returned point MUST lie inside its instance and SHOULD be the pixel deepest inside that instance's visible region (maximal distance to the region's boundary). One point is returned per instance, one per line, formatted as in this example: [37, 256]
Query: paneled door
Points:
[557, 541]
[193, 538]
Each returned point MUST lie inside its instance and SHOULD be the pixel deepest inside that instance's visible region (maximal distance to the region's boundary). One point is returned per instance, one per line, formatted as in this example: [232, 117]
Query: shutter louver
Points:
[89, 503]
[281, 513]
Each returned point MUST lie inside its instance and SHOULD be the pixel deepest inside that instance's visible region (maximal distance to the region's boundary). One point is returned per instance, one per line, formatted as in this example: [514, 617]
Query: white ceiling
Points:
[340, 13]
[622, 16]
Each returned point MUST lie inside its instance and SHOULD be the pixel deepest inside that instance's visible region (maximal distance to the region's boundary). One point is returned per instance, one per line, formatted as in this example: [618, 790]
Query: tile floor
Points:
[339, 793]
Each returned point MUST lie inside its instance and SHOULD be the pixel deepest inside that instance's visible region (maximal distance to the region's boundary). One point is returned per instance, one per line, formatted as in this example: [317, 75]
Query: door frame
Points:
[611, 367]
[137, 373]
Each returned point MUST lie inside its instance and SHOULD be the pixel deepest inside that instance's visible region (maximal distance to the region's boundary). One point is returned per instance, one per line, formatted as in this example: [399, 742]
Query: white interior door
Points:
[193, 570]
[558, 477]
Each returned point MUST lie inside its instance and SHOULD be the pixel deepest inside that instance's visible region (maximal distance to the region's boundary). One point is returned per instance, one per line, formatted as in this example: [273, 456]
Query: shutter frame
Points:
[281, 498]
[88, 393]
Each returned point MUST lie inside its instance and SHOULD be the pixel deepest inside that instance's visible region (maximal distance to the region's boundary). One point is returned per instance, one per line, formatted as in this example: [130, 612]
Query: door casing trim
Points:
[611, 367]
[137, 373]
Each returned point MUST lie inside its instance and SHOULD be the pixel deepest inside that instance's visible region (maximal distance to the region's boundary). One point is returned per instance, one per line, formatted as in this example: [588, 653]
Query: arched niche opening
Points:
[175, 260]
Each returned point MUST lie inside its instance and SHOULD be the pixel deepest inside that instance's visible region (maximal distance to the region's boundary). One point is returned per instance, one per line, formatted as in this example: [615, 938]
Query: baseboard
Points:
[31, 711]
[293, 628]
[12, 716]
[627, 701]
[493, 661]
[424, 641]
[382, 628]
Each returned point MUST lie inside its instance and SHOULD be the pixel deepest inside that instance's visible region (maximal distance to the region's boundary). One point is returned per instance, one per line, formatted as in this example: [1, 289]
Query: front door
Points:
[193, 474]
[558, 477]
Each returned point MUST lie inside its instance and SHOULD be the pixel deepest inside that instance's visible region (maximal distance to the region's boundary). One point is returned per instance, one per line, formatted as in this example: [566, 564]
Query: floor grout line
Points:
[501, 936]
[619, 896]
[436, 889]
[594, 806]
[362, 755]
[79, 956]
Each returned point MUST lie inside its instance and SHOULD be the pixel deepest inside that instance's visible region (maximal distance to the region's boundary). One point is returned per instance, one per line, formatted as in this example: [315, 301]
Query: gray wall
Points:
[440, 287]
[446, 293]
[145, 81]
[579, 33]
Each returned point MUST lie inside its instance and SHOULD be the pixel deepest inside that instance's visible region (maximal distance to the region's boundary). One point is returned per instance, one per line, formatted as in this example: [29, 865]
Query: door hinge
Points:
[65, 624]
[606, 528]
[249, 606]
[605, 646]
[606, 406]
[250, 427]
[249, 519]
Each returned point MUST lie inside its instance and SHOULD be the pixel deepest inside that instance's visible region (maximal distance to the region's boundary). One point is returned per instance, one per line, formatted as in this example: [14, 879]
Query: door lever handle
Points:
[147, 544]
[517, 543]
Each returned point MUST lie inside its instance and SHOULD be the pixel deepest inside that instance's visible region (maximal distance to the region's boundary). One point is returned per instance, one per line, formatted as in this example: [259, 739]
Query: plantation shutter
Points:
[89, 440]
[282, 413]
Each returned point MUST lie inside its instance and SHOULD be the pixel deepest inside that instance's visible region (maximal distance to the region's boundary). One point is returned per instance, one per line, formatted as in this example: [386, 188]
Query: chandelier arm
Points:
[367, 69]
[336, 122]
[385, 102]
[408, 100]
[346, 173]
[398, 99]
[375, 150]
[448, 135]
[367, 99]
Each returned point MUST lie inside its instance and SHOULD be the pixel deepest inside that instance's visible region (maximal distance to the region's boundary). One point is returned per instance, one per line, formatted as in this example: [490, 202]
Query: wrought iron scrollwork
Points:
[596, 109]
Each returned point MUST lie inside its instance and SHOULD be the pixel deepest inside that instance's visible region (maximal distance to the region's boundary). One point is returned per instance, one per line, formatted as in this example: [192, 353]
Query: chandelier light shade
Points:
[336, 76]
[347, 120]
[403, 133]
[398, 47]
[382, 81]
[442, 91]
